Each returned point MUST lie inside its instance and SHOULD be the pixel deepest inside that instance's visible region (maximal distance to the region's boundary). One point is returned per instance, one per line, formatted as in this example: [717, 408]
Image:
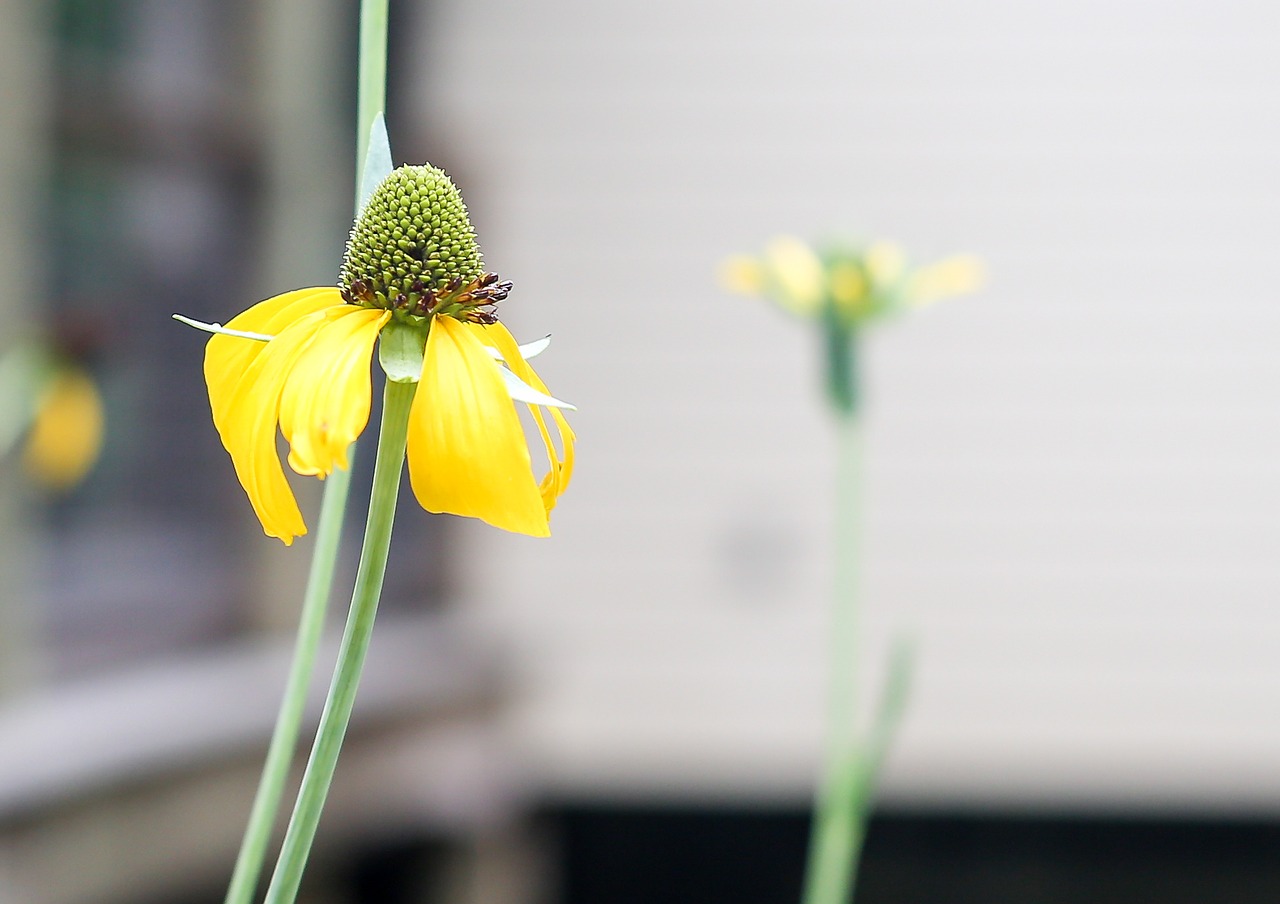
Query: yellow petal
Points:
[226, 357]
[956, 275]
[744, 275]
[248, 431]
[325, 402]
[886, 262]
[467, 451]
[67, 433]
[798, 274]
[557, 478]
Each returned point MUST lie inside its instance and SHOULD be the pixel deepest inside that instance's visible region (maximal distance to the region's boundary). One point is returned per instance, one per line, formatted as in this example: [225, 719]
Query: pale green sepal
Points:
[377, 160]
[400, 350]
[521, 391]
[527, 351]
[222, 330]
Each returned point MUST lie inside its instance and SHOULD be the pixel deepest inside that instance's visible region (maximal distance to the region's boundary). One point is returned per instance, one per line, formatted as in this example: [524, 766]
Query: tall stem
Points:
[284, 739]
[371, 99]
[355, 645]
[839, 823]
[371, 82]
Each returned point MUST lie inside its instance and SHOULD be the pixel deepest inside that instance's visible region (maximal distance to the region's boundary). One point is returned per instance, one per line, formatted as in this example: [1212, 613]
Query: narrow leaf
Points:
[377, 161]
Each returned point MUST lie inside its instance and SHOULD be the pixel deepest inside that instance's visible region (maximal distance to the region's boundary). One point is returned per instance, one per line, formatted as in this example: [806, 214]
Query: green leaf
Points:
[377, 160]
[888, 716]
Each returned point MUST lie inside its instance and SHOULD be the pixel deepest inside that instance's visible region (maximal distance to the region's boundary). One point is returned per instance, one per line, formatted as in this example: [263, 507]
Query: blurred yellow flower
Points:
[66, 432]
[855, 284]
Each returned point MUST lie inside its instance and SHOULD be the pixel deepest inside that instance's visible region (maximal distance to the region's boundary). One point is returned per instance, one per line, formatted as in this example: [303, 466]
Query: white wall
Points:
[1074, 478]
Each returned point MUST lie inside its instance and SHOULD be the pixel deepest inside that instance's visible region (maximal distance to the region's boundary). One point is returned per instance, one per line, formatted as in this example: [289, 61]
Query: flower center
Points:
[413, 251]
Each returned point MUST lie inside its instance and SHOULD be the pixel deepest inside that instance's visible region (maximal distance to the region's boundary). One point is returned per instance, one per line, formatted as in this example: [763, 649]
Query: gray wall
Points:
[1074, 477]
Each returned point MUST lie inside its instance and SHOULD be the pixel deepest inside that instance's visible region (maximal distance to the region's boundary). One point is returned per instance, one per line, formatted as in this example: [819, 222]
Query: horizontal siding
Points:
[1073, 478]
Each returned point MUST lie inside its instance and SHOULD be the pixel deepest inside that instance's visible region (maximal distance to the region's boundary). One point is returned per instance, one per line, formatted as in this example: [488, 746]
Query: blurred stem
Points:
[253, 849]
[839, 821]
[355, 645]
[371, 99]
[842, 362]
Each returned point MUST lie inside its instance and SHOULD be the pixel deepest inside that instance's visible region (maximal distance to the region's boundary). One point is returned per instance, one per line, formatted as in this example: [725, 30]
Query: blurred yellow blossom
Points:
[66, 434]
[844, 286]
[50, 405]
[853, 283]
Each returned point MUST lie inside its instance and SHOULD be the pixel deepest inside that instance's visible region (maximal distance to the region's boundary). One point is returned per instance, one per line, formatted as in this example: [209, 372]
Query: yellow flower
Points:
[66, 434]
[853, 284]
[301, 362]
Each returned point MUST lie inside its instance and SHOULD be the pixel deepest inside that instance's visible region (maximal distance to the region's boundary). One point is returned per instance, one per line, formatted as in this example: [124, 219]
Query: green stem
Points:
[839, 823]
[355, 644]
[371, 87]
[253, 849]
[371, 99]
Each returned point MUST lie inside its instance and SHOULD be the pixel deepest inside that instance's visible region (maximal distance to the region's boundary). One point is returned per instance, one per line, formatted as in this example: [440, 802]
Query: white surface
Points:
[1074, 478]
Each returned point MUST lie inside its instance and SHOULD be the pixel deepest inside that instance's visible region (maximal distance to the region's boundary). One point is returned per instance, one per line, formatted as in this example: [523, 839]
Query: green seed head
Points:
[412, 243]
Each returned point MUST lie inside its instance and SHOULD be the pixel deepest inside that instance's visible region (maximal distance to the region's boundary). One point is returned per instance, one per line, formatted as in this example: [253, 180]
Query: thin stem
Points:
[839, 823]
[371, 87]
[284, 739]
[371, 98]
[355, 644]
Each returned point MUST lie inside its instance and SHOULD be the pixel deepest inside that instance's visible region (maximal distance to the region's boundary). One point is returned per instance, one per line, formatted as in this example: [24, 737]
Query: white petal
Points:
[527, 351]
[221, 330]
[521, 391]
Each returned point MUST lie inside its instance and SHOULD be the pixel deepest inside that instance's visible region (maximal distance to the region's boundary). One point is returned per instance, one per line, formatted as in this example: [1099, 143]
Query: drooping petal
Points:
[325, 402]
[557, 478]
[250, 413]
[67, 432]
[466, 448]
[227, 357]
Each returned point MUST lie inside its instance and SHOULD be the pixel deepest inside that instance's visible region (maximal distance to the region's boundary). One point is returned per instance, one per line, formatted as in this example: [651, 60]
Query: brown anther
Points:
[401, 301]
[488, 279]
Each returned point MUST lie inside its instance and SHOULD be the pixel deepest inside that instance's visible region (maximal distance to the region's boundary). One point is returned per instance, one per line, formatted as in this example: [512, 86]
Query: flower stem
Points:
[839, 823]
[355, 644]
[371, 87]
[253, 849]
[371, 98]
